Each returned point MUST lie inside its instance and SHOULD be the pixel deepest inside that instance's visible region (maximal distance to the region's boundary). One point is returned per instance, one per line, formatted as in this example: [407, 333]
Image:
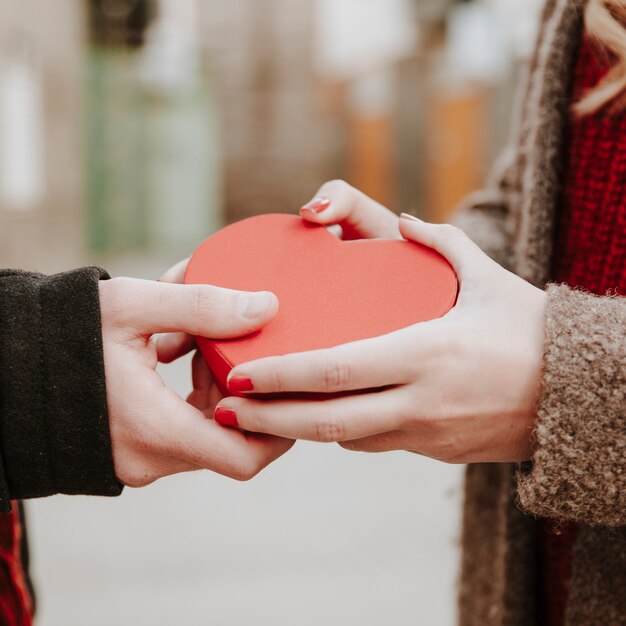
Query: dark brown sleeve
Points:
[54, 430]
[578, 471]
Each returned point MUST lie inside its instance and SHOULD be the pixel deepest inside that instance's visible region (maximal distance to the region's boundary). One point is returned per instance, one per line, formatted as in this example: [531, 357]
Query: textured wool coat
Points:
[578, 470]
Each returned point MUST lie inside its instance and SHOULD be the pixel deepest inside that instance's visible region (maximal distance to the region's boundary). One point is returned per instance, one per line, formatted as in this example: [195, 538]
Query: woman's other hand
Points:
[360, 217]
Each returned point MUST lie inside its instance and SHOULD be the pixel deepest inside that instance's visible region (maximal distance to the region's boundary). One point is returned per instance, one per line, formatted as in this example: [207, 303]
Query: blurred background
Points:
[132, 129]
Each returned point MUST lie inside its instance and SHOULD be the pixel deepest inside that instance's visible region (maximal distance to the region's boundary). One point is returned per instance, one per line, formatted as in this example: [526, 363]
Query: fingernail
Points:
[226, 417]
[317, 205]
[253, 305]
[410, 218]
[239, 384]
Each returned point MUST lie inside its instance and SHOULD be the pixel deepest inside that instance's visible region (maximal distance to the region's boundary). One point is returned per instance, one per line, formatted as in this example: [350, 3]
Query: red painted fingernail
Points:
[226, 417]
[317, 205]
[239, 384]
[411, 218]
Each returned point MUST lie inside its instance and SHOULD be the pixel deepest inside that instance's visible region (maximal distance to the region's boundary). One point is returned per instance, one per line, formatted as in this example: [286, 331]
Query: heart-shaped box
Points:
[331, 292]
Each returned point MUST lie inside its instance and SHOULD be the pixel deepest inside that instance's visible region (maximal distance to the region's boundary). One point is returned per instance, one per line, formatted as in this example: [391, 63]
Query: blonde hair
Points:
[605, 23]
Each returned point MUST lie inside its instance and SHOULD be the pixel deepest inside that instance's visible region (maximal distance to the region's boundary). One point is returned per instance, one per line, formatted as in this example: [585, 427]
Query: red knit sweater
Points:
[590, 252]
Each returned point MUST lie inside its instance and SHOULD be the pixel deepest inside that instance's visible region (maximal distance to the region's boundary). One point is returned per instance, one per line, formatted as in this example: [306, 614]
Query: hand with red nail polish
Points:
[461, 389]
[360, 217]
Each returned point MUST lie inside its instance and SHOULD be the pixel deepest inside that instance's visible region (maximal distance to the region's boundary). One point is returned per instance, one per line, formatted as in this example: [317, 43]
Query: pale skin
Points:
[461, 389]
[154, 431]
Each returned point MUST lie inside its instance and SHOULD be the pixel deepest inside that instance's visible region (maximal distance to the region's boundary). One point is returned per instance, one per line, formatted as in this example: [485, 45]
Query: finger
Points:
[176, 273]
[233, 453]
[200, 310]
[205, 444]
[326, 421]
[172, 346]
[360, 217]
[201, 376]
[202, 396]
[452, 243]
[366, 364]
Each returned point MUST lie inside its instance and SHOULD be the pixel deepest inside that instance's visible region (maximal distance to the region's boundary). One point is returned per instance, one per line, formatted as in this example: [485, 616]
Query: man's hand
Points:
[154, 432]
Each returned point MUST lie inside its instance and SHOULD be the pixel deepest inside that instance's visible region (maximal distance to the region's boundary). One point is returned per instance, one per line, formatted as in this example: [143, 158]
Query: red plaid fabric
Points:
[15, 601]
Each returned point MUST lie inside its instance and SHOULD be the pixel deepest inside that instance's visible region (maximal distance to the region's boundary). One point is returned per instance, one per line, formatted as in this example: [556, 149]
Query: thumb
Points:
[451, 242]
[200, 310]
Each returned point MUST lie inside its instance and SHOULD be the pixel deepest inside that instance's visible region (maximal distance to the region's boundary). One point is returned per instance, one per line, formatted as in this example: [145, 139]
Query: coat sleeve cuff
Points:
[578, 470]
[54, 430]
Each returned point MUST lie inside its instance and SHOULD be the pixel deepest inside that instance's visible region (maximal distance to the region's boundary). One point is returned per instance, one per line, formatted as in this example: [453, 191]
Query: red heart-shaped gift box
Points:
[330, 291]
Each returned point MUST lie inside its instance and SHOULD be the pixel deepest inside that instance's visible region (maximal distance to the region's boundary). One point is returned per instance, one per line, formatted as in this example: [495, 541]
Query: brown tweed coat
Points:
[578, 471]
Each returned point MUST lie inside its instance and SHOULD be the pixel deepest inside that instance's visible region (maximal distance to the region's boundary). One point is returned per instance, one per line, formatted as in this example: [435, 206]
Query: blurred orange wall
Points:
[370, 160]
[457, 136]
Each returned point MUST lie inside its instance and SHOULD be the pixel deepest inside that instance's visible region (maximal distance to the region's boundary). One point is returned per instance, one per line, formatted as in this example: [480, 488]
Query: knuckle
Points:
[336, 186]
[329, 429]
[448, 230]
[336, 376]
[452, 233]
[276, 380]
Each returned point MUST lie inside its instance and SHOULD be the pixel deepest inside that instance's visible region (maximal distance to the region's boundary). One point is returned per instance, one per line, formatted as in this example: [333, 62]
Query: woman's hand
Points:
[154, 432]
[461, 389]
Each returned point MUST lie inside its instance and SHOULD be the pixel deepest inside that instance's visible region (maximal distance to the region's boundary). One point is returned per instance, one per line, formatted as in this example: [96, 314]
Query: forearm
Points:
[54, 432]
